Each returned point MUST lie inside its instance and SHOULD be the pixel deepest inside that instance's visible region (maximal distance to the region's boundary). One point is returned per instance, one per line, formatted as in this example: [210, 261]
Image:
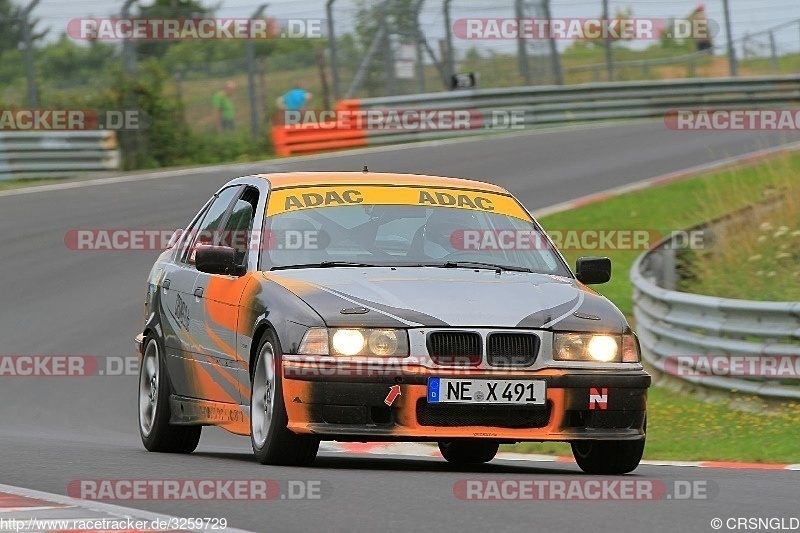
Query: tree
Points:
[71, 64]
[168, 9]
[11, 27]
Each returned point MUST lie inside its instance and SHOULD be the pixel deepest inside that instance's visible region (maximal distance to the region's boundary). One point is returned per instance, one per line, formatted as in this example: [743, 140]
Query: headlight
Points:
[350, 342]
[383, 342]
[603, 348]
[587, 347]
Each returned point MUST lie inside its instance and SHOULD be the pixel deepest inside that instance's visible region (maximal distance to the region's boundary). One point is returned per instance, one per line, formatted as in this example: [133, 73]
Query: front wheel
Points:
[273, 442]
[157, 434]
[608, 457]
[468, 452]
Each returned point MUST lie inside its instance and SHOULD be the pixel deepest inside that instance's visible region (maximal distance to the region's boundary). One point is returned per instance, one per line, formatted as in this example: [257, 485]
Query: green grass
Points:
[680, 426]
[766, 251]
[670, 207]
[18, 184]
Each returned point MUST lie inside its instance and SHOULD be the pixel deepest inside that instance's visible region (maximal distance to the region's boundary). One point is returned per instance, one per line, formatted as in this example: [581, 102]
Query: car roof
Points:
[298, 179]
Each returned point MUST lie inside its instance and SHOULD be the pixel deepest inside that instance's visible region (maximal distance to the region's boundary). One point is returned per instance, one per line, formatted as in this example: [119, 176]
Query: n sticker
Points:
[598, 399]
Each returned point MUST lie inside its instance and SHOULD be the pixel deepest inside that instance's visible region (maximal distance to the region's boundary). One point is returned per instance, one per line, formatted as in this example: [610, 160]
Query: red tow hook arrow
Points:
[394, 392]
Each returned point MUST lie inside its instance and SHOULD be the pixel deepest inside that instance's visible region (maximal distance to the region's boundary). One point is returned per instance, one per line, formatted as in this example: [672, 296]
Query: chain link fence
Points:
[367, 49]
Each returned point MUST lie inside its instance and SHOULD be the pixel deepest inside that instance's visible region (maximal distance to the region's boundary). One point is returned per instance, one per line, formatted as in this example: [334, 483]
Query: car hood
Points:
[443, 297]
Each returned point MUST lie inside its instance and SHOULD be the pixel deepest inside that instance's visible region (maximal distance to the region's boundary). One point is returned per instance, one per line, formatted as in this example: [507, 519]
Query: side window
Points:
[186, 237]
[239, 227]
[207, 230]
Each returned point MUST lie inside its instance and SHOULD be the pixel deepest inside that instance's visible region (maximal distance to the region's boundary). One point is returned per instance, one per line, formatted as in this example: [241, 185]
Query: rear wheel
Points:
[157, 434]
[273, 443]
[608, 457]
[468, 452]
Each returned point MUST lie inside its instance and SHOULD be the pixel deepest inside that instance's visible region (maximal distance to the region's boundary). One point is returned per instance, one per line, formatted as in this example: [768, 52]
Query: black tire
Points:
[468, 452]
[611, 457]
[159, 435]
[280, 446]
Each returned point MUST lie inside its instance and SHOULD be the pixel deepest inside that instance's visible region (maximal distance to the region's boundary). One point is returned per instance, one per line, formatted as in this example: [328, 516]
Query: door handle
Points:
[166, 284]
[198, 292]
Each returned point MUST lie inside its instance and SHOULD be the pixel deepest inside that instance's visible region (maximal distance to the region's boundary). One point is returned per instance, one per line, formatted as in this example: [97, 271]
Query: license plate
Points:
[486, 391]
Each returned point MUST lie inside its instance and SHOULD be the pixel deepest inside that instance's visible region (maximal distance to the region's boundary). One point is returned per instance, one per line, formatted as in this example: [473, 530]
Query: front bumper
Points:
[353, 407]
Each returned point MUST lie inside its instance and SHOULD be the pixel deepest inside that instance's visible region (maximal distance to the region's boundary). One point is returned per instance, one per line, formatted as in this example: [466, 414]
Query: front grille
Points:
[456, 348]
[497, 416]
[512, 349]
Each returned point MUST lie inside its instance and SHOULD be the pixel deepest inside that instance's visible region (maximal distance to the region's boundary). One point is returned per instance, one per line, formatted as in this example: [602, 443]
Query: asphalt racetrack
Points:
[60, 301]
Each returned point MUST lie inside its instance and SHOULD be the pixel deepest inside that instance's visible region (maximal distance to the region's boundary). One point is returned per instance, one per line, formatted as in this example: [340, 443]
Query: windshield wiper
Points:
[480, 264]
[327, 264]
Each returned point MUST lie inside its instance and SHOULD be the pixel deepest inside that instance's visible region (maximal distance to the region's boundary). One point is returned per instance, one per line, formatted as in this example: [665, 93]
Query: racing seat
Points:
[433, 239]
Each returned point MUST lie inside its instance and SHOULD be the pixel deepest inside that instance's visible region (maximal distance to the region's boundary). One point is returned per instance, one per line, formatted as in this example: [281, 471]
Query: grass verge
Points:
[19, 184]
[682, 427]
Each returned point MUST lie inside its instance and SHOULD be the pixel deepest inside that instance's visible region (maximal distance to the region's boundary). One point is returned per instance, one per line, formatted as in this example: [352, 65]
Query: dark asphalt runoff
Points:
[58, 301]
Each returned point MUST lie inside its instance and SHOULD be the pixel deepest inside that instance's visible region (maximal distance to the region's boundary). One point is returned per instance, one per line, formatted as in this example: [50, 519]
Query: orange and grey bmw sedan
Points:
[302, 307]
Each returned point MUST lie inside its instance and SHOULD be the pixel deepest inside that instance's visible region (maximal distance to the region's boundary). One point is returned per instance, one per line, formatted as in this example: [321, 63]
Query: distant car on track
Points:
[302, 307]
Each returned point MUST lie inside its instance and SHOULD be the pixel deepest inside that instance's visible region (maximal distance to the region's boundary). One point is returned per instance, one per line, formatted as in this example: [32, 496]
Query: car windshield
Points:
[407, 235]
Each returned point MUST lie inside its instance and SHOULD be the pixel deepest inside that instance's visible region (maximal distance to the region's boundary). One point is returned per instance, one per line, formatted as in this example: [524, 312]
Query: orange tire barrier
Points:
[313, 137]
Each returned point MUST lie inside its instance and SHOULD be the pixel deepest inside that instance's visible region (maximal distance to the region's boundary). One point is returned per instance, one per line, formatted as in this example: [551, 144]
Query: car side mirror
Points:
[217, 260]
[593, 270]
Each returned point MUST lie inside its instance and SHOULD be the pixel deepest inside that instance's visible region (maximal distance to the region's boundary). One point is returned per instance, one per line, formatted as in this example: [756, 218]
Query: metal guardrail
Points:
[56, 154]
[671, 323]
[590, 102]
[540, 106]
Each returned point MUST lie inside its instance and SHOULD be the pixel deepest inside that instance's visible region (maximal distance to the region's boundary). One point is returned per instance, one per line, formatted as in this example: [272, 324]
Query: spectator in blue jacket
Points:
[295, 100]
